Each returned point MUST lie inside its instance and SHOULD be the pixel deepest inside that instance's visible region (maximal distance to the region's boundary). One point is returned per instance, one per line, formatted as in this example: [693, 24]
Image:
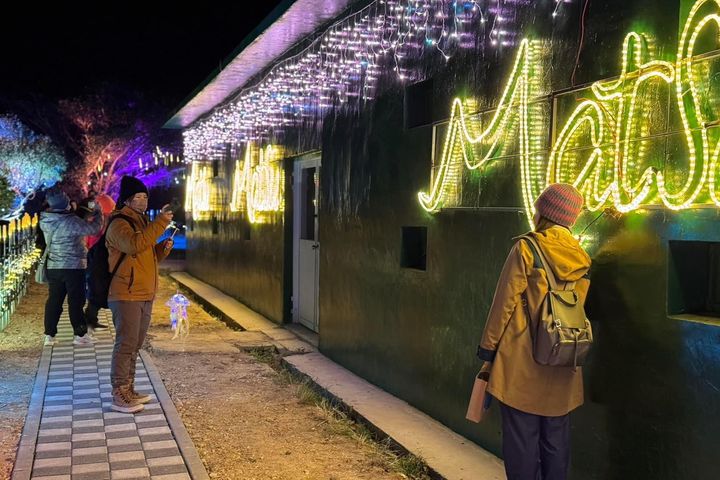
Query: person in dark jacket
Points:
[86, 210]
[65, 236]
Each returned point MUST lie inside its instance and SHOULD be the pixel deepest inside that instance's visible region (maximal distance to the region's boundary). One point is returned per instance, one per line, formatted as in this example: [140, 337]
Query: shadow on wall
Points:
[634, 375]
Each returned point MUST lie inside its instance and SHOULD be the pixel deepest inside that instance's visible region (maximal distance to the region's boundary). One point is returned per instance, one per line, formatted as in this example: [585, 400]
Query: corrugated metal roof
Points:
[288, 24]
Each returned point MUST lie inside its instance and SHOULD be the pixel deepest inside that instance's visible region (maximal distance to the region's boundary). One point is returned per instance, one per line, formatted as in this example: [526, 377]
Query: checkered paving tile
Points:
[81, 438]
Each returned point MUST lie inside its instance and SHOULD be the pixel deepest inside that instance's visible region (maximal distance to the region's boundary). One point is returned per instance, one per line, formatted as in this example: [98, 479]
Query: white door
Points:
[306, 247]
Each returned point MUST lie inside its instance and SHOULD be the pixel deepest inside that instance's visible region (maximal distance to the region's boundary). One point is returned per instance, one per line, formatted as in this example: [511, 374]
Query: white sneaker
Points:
[49, 341]
[84, 340]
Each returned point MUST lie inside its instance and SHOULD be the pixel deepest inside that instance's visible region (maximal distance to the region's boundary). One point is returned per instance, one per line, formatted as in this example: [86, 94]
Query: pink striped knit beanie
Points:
[560, 203]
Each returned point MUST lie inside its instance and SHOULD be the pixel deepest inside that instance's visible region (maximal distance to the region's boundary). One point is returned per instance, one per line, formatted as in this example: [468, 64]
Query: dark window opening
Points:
[414, 248]
[419, 104]
[694, 279]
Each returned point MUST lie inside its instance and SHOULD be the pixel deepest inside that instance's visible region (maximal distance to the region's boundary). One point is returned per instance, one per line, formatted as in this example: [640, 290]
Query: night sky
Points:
[162, 49]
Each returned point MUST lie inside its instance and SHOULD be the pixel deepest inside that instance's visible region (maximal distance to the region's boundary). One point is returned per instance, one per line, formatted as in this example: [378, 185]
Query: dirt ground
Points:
[248, 422]
[20, 349]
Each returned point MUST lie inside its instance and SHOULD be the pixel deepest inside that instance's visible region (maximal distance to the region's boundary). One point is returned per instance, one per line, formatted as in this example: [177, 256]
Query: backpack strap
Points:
[48, 242]
[122, 254]
[124, 217]
[537, 262]
[538, 254]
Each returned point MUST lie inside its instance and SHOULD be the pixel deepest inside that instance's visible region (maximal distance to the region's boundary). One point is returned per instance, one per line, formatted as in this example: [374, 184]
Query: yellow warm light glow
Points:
[459, 135]
[614, 128]
[258, 182]
[197, 195]
[611, 127]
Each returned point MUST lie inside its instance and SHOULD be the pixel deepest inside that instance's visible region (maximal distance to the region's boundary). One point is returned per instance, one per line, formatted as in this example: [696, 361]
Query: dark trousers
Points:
[131, 320]
[91, 309]
[91, 314]
[63, 283]
[535, 447]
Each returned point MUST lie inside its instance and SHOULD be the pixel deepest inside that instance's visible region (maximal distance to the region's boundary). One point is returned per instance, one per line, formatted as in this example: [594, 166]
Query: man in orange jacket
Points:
[135, 249]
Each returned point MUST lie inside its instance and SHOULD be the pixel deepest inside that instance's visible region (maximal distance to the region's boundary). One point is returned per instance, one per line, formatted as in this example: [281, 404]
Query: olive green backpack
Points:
[562, 334]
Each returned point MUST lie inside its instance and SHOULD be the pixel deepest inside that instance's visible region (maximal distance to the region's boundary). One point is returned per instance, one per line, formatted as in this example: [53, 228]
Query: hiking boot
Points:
[49, 341]
[123, 401]
[84, 340]
[137, 396]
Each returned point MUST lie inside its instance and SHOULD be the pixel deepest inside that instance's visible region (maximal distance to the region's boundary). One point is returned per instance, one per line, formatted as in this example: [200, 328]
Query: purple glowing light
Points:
[343, 65]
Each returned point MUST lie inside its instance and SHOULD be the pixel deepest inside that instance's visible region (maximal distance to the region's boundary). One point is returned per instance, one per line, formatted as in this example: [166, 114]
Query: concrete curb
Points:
[26, 449]
[207, 306]
[185, 444]
[240, 317]
[355, 415]
[447, 454]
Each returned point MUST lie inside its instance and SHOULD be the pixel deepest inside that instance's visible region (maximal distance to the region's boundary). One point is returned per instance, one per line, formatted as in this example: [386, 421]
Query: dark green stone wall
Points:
[653, 382]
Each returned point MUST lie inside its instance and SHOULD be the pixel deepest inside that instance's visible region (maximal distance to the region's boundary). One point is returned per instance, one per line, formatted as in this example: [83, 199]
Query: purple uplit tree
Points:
[120, 136]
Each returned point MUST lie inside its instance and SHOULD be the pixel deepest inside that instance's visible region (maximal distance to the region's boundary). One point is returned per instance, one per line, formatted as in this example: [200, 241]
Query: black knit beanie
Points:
[129, 186]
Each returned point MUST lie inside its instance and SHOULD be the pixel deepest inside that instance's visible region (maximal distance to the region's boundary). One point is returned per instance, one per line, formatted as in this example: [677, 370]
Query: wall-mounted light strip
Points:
[611, 129]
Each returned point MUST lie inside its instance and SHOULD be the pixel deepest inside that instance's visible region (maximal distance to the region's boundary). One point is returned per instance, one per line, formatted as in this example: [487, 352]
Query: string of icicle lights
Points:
[344, 63]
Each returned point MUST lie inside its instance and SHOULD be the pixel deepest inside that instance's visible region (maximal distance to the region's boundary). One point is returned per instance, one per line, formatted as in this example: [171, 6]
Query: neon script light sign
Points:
[603, 147]
[257, 186]
[258, 189]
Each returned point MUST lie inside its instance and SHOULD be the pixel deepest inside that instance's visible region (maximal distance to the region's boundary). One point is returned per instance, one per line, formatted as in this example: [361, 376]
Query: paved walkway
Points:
[70, 432]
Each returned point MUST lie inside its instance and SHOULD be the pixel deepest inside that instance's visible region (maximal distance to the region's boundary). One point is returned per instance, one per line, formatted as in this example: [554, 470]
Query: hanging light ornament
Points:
[179, 322]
